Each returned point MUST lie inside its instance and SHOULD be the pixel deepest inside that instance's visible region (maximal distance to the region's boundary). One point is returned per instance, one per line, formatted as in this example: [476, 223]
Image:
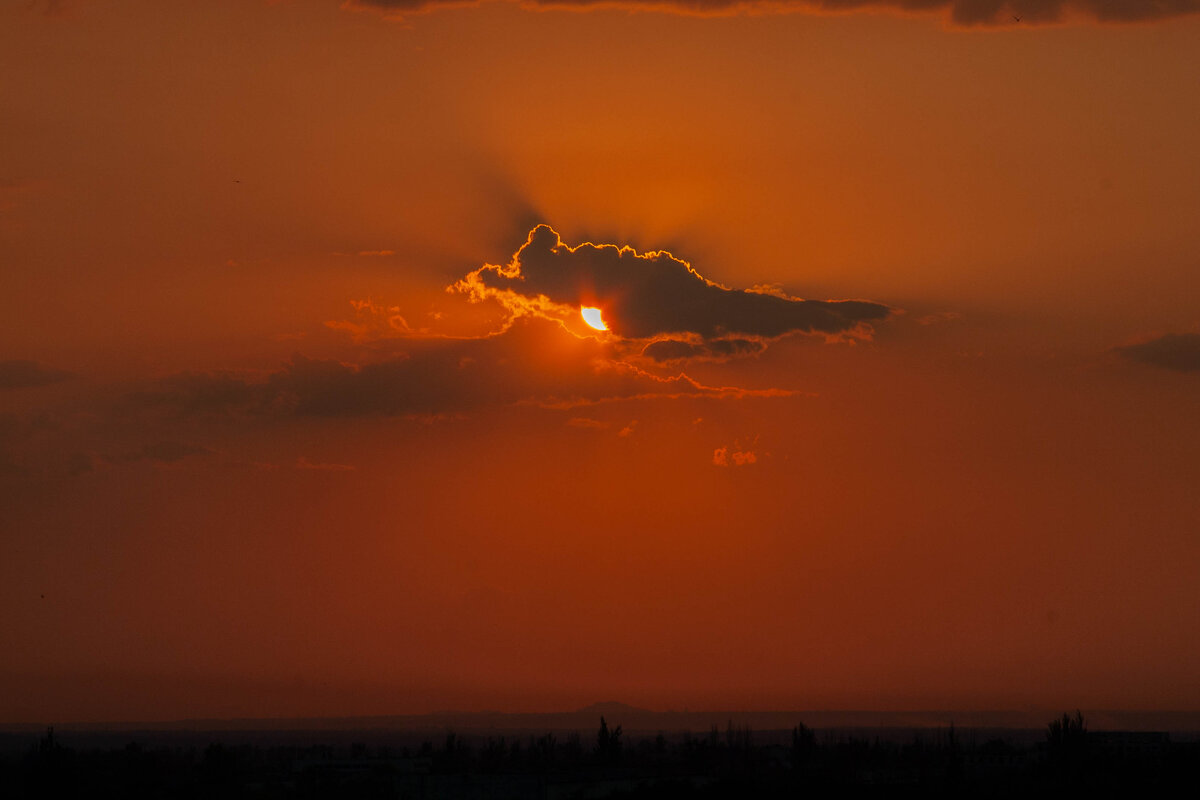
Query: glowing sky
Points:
[897, 406]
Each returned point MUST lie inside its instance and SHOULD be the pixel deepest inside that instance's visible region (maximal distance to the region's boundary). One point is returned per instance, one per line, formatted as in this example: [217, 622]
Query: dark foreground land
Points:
[1064, 759]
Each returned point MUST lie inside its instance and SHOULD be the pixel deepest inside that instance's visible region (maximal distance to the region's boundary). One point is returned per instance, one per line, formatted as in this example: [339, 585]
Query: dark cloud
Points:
[72, 440]
[166, 452]
[10, 428]
[534, 361]
[651, 294]
[960, 12]
[1177, 351]
[81, 462]
[321, 466]
[717, 349]
[22, 374]
[198, 394]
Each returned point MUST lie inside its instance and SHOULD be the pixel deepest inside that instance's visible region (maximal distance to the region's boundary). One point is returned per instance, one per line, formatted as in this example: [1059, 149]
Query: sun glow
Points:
[592, 317]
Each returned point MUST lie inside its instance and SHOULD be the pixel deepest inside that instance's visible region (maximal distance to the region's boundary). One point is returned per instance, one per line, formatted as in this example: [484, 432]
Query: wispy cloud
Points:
[532, 362]
[321, 466]
[1177, 351]
[957, 12]
[19, 374]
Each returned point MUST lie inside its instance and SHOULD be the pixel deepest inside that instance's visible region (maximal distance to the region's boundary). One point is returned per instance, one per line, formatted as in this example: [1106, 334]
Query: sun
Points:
[592, 317]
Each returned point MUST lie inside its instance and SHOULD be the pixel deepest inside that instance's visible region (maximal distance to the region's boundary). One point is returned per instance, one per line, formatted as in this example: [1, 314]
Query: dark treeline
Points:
[723, 762]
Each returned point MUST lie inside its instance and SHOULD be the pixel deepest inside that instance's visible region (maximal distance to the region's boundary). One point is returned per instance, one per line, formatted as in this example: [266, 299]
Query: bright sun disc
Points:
[592, 317]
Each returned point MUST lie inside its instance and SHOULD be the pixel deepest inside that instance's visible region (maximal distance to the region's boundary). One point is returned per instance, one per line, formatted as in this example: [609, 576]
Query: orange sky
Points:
[285, 429]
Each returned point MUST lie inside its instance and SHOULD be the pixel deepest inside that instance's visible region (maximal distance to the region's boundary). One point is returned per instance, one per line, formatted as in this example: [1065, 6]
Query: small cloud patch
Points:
[733, 457]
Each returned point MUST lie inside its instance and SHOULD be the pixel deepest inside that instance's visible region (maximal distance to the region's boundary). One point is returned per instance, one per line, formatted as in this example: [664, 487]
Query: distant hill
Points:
[612, 707]
[634, 719]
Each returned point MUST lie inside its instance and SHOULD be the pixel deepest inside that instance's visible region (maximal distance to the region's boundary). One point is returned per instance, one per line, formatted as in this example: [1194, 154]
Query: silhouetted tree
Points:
[1066, 742]
[218, 766]
[48, 744]
[456, 755]
[572, 749]
[543, 750]
[738, 737]
[608, 743]
[515, 752]
[495, 753]
[1067, 733]
[954, 763]
[804, 745]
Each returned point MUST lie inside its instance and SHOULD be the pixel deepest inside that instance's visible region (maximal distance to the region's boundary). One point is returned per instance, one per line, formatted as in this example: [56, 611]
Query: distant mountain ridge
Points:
[635, 719]
[612, 707]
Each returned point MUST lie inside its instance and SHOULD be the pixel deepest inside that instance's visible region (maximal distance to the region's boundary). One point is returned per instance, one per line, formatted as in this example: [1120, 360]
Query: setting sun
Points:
[592, 317]
[894, 424]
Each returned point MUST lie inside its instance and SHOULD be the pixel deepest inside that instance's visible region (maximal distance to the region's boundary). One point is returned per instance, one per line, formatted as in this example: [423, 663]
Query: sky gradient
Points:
[897, 407]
